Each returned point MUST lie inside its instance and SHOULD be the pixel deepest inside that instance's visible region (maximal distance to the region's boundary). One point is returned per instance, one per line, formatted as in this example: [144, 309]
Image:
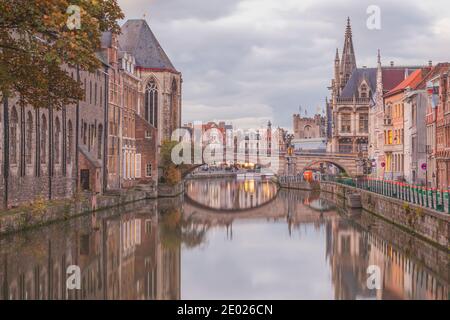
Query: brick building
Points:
[107, 141]
[48, 153]
[159, 112]
[394, 133]
[438, 120]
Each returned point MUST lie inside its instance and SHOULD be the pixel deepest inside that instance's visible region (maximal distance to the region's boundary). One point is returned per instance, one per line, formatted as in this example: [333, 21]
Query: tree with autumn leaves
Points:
[37, 45]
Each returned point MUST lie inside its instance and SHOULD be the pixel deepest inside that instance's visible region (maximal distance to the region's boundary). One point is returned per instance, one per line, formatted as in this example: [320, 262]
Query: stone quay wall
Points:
[429, 224]
[45, 212]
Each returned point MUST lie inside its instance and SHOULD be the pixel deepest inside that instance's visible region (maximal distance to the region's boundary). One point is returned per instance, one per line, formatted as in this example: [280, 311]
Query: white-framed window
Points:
[138, 165]
[148, 134]
[148, 170]
[125, 158]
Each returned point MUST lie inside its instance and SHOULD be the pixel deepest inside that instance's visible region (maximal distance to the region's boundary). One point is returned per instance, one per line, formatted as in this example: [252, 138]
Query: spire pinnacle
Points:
[348, 62]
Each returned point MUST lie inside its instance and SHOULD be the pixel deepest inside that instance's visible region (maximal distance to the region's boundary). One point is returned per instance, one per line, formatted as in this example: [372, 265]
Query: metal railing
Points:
[291, 179]
[430, 198]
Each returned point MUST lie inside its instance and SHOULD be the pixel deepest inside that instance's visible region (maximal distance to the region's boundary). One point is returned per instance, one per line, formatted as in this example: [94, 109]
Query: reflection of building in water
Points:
[351, 252]
[123, 259]
[348, 252]
[227, 194]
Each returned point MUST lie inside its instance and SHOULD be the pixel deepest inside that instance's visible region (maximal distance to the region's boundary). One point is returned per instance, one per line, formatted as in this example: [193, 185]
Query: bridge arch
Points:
[307, 165]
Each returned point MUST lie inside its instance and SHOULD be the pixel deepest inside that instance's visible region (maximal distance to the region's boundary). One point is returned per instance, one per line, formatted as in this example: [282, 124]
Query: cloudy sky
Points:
[248, 61]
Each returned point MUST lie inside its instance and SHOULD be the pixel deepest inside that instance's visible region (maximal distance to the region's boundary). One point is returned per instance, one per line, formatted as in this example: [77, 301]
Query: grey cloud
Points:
[166, 10]
[232, 57]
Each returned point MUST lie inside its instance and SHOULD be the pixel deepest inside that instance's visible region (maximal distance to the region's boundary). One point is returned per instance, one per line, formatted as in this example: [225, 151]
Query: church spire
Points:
[348, 62]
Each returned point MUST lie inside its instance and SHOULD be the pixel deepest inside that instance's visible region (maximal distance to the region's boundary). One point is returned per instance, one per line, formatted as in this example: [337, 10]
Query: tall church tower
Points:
[348, 62]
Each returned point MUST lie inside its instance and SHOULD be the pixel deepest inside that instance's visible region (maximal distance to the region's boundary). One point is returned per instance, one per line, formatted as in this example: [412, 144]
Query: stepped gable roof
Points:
[138, 39]
[360, 74]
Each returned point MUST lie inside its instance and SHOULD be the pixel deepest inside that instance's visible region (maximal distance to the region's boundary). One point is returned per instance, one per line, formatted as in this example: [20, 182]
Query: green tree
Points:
[37, 45]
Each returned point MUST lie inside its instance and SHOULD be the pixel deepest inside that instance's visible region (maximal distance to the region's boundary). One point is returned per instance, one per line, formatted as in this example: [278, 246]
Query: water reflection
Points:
[230, 194]
[295, 247]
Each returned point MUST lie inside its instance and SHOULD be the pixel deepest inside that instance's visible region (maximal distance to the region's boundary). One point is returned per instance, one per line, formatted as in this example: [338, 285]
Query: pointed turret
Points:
[337, 75]
[348, 62]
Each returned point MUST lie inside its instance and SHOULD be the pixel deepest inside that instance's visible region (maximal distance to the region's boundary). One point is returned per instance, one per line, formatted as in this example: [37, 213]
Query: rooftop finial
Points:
[379, 56]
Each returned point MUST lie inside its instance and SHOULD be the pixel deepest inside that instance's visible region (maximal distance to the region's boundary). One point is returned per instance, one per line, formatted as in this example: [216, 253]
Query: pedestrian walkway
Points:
[419, 195]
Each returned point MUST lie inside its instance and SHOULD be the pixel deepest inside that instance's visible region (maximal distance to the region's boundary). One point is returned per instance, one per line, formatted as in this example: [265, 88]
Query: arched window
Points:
[29, 139]
[151, 103]
[69, 141]
[57, 140]
[43, 139]
[174, 105]
[99, 141]
[13, 125]
[307, 132]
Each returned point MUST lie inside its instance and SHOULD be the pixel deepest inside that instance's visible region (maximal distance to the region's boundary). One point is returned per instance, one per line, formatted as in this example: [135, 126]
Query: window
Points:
[43, 139]
[69, 141]
[151, 103]
[148, 134]
[363, 92]
[148, 170]
[390, 137]
[174, 105]
[138, 165]
[95, 96]
[84, 132]
[29, 139]
[99, 141]
[14, 122]
[345, 146]
[307, 132]
[346, 123]
[364, 123]
[56, 141]
[90, 92]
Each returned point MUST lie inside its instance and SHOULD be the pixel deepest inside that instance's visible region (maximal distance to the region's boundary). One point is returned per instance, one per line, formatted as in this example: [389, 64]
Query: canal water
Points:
[225, 239]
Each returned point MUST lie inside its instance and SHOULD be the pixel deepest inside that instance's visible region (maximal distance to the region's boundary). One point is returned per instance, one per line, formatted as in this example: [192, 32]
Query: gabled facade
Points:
[158, 114]
[352, 91]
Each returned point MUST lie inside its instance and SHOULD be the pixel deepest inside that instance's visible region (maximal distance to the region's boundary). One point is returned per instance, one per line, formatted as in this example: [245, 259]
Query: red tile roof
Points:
[412, 81]
[392, 77]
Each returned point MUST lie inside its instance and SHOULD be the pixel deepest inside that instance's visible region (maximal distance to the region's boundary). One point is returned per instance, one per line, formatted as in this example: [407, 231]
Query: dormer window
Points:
[364, 91]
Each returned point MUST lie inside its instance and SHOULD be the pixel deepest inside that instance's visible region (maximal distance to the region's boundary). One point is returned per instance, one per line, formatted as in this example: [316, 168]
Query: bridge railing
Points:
[291, 179]
[438, 200]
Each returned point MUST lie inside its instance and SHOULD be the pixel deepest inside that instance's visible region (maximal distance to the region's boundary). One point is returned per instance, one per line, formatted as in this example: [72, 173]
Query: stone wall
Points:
[303, 185]
[429, 224]
[44, 212]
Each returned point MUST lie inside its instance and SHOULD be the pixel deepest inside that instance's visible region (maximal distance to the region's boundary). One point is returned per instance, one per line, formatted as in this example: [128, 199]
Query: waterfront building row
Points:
[106, 142]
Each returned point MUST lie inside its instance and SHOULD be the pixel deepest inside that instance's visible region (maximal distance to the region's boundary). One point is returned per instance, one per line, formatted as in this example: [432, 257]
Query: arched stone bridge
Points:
[300, 162]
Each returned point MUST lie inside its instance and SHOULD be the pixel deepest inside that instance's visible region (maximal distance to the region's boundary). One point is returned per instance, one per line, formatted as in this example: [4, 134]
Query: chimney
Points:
[392, 63]
[430, 63]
